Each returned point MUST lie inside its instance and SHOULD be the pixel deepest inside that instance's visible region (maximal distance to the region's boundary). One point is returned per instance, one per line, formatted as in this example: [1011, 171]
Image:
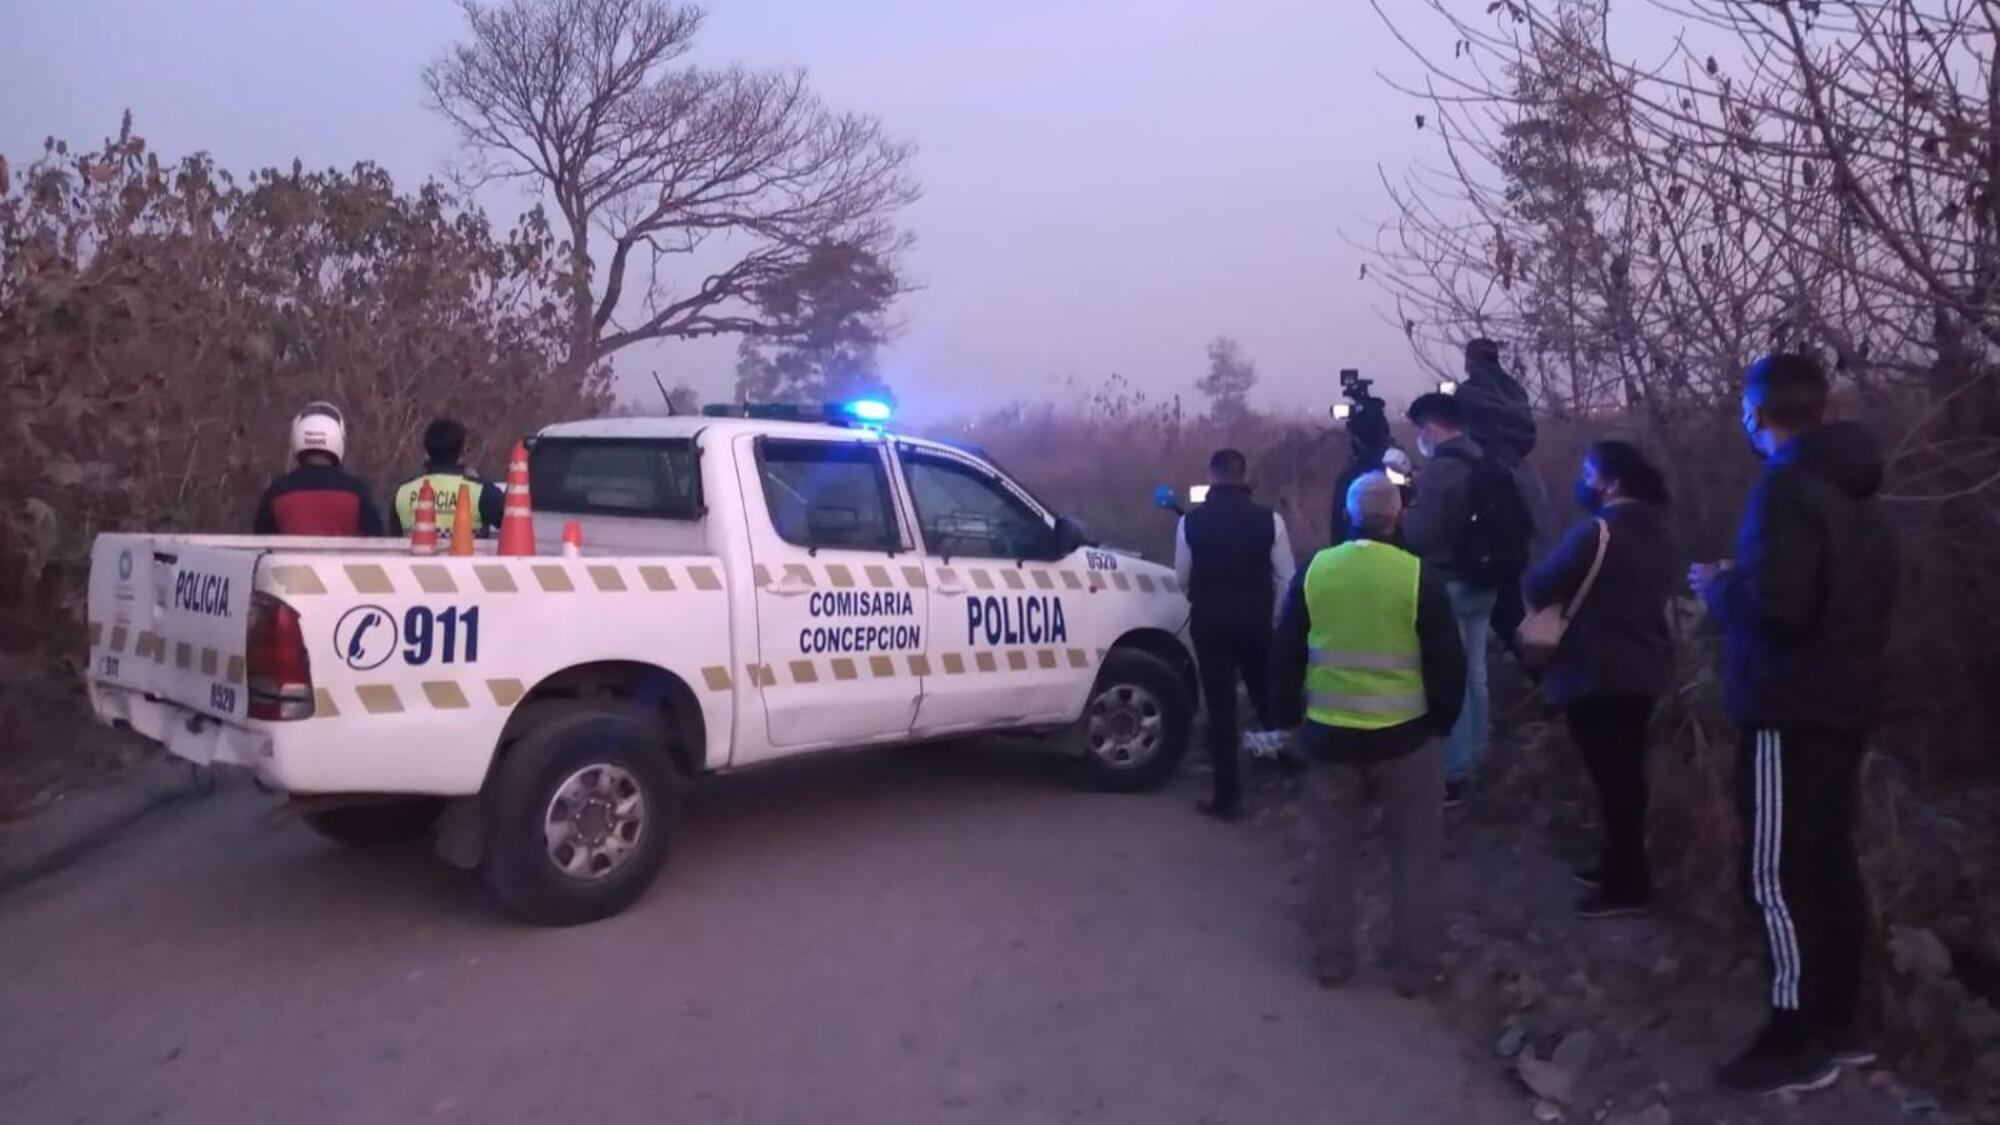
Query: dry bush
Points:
[160, 322]
[1100, 460]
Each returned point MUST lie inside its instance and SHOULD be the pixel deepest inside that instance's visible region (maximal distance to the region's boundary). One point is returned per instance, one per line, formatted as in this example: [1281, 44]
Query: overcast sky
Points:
[1107, 183]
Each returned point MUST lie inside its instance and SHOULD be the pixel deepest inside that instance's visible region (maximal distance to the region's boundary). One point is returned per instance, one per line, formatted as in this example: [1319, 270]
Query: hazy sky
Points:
[1108, 183]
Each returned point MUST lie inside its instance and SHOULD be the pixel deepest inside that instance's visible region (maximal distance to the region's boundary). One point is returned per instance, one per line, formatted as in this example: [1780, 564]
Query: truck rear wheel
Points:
[579, 812]
[1138, 723]
[377, 823]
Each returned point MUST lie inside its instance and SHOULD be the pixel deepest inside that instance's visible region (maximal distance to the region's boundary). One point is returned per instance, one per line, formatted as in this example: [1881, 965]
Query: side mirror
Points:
[1163, 497]
[1069, 537]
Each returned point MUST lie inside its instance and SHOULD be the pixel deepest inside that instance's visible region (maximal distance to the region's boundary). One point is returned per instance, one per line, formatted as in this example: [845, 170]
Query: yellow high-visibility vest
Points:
[444, 486]
[1367, 666]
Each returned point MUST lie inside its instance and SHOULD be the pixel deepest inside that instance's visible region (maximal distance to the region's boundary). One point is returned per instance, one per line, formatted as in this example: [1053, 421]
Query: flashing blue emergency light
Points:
[1163, 497]
[868, 411]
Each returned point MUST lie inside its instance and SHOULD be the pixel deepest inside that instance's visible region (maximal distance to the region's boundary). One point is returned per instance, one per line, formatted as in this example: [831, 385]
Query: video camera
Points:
[1367, 419]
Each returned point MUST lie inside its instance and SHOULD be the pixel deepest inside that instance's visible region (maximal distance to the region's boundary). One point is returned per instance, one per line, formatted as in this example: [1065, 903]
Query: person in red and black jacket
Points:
[318, 497]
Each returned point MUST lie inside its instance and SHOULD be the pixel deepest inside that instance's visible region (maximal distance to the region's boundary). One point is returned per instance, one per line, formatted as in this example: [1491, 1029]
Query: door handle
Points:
[952, 588]
[787, 588]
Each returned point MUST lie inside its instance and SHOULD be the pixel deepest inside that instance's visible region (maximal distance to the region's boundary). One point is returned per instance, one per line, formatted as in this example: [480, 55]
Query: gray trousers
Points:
[1411, 792]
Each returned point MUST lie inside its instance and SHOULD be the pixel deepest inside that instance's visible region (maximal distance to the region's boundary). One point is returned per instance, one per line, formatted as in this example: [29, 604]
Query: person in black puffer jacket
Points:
[1617, 656]
[1805, 610]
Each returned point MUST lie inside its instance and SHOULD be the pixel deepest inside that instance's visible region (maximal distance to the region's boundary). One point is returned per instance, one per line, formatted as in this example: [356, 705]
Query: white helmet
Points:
[319, 428]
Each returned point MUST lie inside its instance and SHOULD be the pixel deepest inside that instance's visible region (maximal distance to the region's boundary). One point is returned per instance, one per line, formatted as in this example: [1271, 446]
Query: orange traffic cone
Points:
[424, 528]
[572, 540]
[517, 526]
[461, 523]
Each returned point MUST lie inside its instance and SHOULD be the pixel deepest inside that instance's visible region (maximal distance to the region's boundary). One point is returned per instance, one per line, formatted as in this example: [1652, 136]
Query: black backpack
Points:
[1492, 547]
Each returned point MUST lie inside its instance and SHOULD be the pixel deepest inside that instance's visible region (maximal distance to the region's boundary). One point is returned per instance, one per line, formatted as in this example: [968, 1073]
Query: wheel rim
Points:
[1127, 726]
[594, 822]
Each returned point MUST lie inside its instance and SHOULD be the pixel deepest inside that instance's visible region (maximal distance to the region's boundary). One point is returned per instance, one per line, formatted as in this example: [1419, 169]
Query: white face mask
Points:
[1426, 446]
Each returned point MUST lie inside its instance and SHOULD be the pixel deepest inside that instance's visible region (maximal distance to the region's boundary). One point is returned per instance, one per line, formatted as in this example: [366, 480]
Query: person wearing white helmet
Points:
[318, 496]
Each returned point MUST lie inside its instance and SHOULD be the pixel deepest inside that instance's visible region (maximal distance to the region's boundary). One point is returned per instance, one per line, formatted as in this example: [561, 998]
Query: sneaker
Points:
[1225, 811]
[1849, 1050]
[1770, 1068]
[1455, 793]
[1412, 980]
[1601, 904]
[1333, 970]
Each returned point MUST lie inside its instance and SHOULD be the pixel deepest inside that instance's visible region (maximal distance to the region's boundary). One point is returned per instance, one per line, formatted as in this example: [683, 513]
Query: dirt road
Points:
[931, 936]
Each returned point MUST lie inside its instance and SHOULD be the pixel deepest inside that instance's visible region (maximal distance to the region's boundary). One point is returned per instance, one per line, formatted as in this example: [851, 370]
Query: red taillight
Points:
[280, 672]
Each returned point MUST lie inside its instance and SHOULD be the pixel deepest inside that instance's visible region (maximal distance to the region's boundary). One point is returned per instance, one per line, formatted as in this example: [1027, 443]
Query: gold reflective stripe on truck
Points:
[839, 576]
[119, 633]
[210, 660]
[878, 577]
[606, 579]
[913, 577]
[379, 699]
[659, 580]
[297, 580]
[716, 677]
[445, 695]
[234, 672]
[369, 578]
[434, 579]
[495, 579]
[1044, 580]
[184, 656]
[844, 669]
[323, 707]
[506, 693]
[554, 580]
[1072, 579]
[1079, 658]
[96, 631]
[704, 578]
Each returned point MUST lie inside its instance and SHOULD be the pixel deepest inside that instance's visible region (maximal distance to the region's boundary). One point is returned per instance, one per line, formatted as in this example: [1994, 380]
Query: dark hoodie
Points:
[1805, 610]
[1497, 411]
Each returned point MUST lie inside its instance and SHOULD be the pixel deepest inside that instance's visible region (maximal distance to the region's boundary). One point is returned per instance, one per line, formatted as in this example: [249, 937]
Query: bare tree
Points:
[655, 160]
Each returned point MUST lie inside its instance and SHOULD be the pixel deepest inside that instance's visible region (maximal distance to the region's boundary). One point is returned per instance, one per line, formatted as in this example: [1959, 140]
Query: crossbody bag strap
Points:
[1590, 579]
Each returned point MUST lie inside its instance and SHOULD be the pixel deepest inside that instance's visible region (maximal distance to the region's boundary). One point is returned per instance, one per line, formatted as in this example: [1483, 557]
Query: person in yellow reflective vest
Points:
[1369, 665]
[444, 457]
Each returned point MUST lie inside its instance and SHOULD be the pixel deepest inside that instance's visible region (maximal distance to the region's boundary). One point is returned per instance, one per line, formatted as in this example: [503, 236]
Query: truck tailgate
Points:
[168, 622]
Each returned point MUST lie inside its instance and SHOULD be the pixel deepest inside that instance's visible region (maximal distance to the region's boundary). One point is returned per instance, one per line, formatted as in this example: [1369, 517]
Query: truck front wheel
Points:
[1138, 723]
[579, 812]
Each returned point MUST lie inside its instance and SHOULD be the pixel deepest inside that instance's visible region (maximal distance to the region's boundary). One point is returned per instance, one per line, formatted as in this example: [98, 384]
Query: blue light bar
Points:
[873, 411]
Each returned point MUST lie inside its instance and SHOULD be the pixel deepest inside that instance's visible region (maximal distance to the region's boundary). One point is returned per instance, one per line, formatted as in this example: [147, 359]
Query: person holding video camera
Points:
[1469, 522]
[1369, 446]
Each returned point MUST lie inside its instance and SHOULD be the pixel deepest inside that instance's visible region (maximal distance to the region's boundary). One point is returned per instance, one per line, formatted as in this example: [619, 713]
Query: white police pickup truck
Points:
[751, 589]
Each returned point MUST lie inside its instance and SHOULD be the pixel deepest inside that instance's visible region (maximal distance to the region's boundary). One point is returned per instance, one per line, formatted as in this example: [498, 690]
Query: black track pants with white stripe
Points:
[1795, 801]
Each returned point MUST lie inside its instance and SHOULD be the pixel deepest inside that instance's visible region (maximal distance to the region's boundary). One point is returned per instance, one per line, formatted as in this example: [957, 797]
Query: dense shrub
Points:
[160, 322]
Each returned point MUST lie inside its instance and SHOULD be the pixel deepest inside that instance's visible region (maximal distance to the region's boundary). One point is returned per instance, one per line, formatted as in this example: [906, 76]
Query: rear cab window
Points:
[644, 478]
